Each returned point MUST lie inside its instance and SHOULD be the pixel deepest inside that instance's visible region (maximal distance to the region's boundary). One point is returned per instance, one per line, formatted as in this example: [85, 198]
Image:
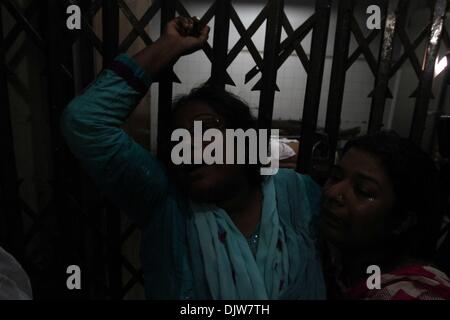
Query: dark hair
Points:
[231, 108]
[415, 181]
[236, 112]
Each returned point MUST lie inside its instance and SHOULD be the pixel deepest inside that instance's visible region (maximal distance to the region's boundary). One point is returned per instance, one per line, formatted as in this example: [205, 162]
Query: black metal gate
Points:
[77, 227]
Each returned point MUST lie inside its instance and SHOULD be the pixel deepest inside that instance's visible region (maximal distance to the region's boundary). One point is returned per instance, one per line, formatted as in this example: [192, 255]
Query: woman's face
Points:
[357, 201]
[206, 183]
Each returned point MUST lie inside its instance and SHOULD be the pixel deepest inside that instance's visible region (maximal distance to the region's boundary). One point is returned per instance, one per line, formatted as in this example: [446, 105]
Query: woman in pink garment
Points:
[380, 208]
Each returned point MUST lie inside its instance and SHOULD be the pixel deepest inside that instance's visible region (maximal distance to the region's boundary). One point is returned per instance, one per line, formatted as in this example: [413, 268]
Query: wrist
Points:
[170, 46]
[161, 54]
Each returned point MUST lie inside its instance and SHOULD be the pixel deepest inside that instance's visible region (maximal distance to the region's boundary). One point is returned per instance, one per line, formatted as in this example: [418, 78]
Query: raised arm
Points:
[124, 171]
[174, 43]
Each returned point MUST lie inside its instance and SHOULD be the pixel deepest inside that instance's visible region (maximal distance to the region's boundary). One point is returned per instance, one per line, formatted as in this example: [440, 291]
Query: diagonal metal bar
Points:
[138, 29]
[15, 32]
[209, 14]
[38, 225]
[364, 45]
[246, 36]
[95, 7]
[127, 233]
[136, 276]
[206, 47]
[21, 19]
[30, 31]
[139, 26]
[134, 21]
[359, 51]
[411, 49]
[247, 40]
[293, 42]
[297, 44]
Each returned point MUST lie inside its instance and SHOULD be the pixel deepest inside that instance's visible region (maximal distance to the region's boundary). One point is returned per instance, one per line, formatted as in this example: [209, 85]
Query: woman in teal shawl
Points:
[209, 232]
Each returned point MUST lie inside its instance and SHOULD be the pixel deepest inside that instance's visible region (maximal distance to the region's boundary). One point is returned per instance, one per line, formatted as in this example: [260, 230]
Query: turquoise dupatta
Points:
[231, 270]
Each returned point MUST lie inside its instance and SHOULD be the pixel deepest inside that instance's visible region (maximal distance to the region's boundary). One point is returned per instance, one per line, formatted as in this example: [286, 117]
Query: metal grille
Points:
[77, 226]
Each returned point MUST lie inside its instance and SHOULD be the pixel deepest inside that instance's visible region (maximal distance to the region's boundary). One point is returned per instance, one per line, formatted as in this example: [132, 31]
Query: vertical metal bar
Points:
[314, 85]
[165, 89]
[338, 75]
[11, 228]
[384, 64]
[270, 63]
[89, 243]
[110, 22]
[55, 93]
[94, 264]
[60, 91]
[426, 79]
[440, 108]
[220, 45]
[83, 61]
[114, 252]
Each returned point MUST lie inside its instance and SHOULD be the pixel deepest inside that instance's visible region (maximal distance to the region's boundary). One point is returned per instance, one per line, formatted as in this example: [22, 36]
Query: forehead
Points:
[187, 113]
[357, 161]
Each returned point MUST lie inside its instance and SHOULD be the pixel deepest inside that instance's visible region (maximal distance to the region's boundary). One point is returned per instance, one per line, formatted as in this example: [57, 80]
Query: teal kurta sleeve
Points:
[127, 173]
